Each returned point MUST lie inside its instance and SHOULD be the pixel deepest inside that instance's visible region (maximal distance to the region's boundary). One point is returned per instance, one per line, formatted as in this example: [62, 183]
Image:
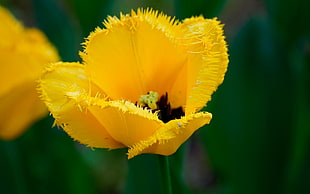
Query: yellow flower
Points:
[144, 79]
[23, 54]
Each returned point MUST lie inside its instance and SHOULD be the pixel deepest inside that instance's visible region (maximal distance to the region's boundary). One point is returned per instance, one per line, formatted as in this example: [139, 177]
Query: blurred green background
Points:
[258, 140]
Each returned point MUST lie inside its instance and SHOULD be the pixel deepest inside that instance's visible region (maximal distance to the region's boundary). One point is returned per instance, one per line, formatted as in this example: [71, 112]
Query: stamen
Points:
[162, 106]
[149, 100]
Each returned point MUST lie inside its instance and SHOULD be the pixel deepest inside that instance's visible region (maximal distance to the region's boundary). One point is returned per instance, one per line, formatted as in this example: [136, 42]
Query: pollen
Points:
[149, 100]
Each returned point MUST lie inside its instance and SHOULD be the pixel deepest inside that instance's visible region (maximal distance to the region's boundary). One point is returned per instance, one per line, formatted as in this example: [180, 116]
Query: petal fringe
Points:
[126, 122]
[65, 89]
[135, 54]
[207, 59]
[171, 136]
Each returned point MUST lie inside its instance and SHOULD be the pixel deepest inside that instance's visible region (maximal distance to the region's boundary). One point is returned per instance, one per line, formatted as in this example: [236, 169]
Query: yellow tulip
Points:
[143, 80]
[23, 54]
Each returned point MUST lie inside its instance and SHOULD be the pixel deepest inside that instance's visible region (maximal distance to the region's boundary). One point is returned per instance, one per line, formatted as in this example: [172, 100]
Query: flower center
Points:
[162, 105]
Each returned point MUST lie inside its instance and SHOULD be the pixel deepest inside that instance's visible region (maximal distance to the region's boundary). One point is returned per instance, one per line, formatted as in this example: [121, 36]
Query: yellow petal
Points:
[63, 87]
[134, 55]
[171, 136]
[11, 29]
[207, 60]
[126, 122]
[23, 53]
[18, 109]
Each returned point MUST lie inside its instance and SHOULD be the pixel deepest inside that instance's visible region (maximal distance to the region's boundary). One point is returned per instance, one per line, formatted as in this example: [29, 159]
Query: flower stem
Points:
[165, 173]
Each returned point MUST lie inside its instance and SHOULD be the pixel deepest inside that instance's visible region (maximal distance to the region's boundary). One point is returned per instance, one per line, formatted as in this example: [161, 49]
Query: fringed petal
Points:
[134, 55]
[207, 59]
[65, 88]
[171, 136]
[126, 122]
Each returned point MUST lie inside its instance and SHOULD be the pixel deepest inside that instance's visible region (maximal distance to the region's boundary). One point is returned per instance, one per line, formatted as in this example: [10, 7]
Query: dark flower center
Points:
[165, 112]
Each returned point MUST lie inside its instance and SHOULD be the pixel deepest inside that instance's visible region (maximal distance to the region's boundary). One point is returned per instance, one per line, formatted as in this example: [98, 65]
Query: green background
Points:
[258, 140]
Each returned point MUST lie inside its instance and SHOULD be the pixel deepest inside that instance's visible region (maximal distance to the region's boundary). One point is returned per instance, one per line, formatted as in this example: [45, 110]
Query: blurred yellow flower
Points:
[23, 54]
[144, 79]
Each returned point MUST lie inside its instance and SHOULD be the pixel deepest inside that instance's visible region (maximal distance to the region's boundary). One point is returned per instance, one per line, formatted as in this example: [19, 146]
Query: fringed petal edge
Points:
[173, 133]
